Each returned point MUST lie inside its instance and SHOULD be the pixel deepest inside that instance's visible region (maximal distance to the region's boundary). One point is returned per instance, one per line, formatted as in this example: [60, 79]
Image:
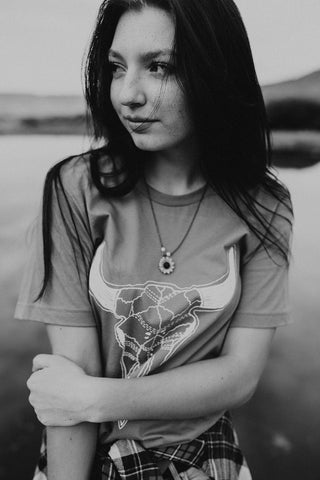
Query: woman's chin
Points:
[147, 144]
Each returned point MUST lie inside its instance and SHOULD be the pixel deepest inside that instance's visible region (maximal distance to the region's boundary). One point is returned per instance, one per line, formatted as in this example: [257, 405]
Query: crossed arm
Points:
[65, 392]
[69, 396]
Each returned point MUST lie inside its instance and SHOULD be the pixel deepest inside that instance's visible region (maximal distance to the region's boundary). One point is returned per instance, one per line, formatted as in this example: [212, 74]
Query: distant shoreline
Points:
[300, 149]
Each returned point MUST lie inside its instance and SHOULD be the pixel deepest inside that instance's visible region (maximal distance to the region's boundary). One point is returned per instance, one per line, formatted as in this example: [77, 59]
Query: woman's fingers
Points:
[45, 360]
[58, 390]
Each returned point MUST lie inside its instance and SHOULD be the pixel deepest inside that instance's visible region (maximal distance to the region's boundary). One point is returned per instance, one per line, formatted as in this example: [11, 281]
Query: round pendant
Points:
[166, 265]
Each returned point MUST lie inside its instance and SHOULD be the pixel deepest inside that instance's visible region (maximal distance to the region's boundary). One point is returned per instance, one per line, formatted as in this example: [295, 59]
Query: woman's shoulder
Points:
[273, 199]
[273, 215]
[74, 173]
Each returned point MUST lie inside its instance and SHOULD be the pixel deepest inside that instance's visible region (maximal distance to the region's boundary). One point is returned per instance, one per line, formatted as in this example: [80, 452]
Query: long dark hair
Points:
[214, 66]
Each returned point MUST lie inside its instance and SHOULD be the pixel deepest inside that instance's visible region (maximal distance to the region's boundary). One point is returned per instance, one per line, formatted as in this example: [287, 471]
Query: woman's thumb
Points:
[41, 361]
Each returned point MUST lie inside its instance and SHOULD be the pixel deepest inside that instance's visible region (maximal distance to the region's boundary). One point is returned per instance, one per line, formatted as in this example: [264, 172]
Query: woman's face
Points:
[144, 90]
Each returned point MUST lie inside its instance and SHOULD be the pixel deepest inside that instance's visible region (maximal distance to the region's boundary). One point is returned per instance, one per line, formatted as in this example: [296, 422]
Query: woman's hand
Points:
[59, 391]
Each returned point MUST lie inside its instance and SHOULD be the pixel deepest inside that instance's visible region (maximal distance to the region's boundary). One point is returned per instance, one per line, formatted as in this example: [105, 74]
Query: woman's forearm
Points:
[199, 389]
[71, 451]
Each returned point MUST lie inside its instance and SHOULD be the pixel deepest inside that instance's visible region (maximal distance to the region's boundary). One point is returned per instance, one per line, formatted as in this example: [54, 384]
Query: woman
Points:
[165, 252]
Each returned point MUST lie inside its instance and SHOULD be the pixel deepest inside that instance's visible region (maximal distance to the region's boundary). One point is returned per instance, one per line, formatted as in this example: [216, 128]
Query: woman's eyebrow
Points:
[147, 56]
[156, 53]
[114, 53]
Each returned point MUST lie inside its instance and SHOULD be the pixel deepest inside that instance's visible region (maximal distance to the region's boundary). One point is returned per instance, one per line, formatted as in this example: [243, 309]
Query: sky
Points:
[42, 42]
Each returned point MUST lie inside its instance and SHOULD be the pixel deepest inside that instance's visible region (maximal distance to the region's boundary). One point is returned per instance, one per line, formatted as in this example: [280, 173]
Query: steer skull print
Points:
[153, 320]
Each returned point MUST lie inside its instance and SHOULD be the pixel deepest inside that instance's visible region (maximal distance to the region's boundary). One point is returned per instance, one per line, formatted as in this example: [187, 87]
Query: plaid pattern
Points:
[215, 452]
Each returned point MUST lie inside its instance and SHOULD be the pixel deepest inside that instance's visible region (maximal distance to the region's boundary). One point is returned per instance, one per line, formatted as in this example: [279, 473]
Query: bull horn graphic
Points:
[214, 296]
[104, 295]
[217, 295]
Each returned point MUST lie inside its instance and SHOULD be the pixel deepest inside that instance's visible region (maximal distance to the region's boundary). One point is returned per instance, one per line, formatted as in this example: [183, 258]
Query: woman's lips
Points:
[139, 119]
[139, 124]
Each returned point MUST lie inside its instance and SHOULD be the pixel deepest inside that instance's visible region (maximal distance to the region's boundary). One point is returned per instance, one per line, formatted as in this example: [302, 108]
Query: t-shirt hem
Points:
[261, 320]
[72, 318]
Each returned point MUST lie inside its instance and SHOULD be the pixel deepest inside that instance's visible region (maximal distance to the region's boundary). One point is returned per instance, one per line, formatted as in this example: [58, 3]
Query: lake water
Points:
[280, 427]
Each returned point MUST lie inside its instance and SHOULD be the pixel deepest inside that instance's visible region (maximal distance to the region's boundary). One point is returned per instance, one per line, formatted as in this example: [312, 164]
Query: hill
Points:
[27, 106]
[295, 104]
[36, 114]
[303, 88]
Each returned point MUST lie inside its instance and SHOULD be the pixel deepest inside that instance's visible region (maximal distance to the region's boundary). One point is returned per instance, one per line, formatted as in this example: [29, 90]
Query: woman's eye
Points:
[116, 69]
[161, 68]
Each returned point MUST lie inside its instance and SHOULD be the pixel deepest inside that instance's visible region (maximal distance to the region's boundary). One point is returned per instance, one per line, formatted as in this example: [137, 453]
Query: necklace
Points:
[167, 264]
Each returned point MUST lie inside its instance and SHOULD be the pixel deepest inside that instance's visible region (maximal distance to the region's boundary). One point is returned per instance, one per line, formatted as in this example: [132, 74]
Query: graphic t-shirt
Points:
[150, 322]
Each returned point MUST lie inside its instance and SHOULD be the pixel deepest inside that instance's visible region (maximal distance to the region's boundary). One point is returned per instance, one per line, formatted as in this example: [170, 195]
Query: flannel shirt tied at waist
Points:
[215, 452]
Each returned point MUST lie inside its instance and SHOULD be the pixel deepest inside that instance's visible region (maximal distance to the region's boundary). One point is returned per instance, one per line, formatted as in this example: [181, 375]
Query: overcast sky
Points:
[42, 41]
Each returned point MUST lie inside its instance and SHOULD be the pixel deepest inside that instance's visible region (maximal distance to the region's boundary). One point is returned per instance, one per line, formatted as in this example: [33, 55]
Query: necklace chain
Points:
[166, 256]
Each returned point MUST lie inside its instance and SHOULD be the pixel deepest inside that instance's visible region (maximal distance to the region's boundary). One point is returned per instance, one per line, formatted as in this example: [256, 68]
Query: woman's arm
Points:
[71, 450]
[199, 389]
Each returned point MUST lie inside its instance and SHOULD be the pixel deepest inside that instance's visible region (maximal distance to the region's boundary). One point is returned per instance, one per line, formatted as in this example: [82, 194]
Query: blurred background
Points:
[42, 121]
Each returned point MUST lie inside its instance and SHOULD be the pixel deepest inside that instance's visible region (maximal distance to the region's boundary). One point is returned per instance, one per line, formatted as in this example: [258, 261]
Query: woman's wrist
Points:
[86, 396]
[110, 399]
[98, 399]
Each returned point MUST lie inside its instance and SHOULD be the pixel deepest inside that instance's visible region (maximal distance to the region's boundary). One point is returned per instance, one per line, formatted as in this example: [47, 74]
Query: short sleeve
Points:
[66, 299]
[264, 300]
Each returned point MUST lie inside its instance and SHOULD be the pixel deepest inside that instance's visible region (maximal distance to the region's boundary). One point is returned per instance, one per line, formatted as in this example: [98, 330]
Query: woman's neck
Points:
[174, 173]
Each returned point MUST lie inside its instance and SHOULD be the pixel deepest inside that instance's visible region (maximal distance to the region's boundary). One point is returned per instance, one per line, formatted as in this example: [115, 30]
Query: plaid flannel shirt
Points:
[215, 452]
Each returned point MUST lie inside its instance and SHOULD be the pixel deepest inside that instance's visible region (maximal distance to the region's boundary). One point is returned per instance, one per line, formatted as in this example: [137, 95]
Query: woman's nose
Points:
[132, 92]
